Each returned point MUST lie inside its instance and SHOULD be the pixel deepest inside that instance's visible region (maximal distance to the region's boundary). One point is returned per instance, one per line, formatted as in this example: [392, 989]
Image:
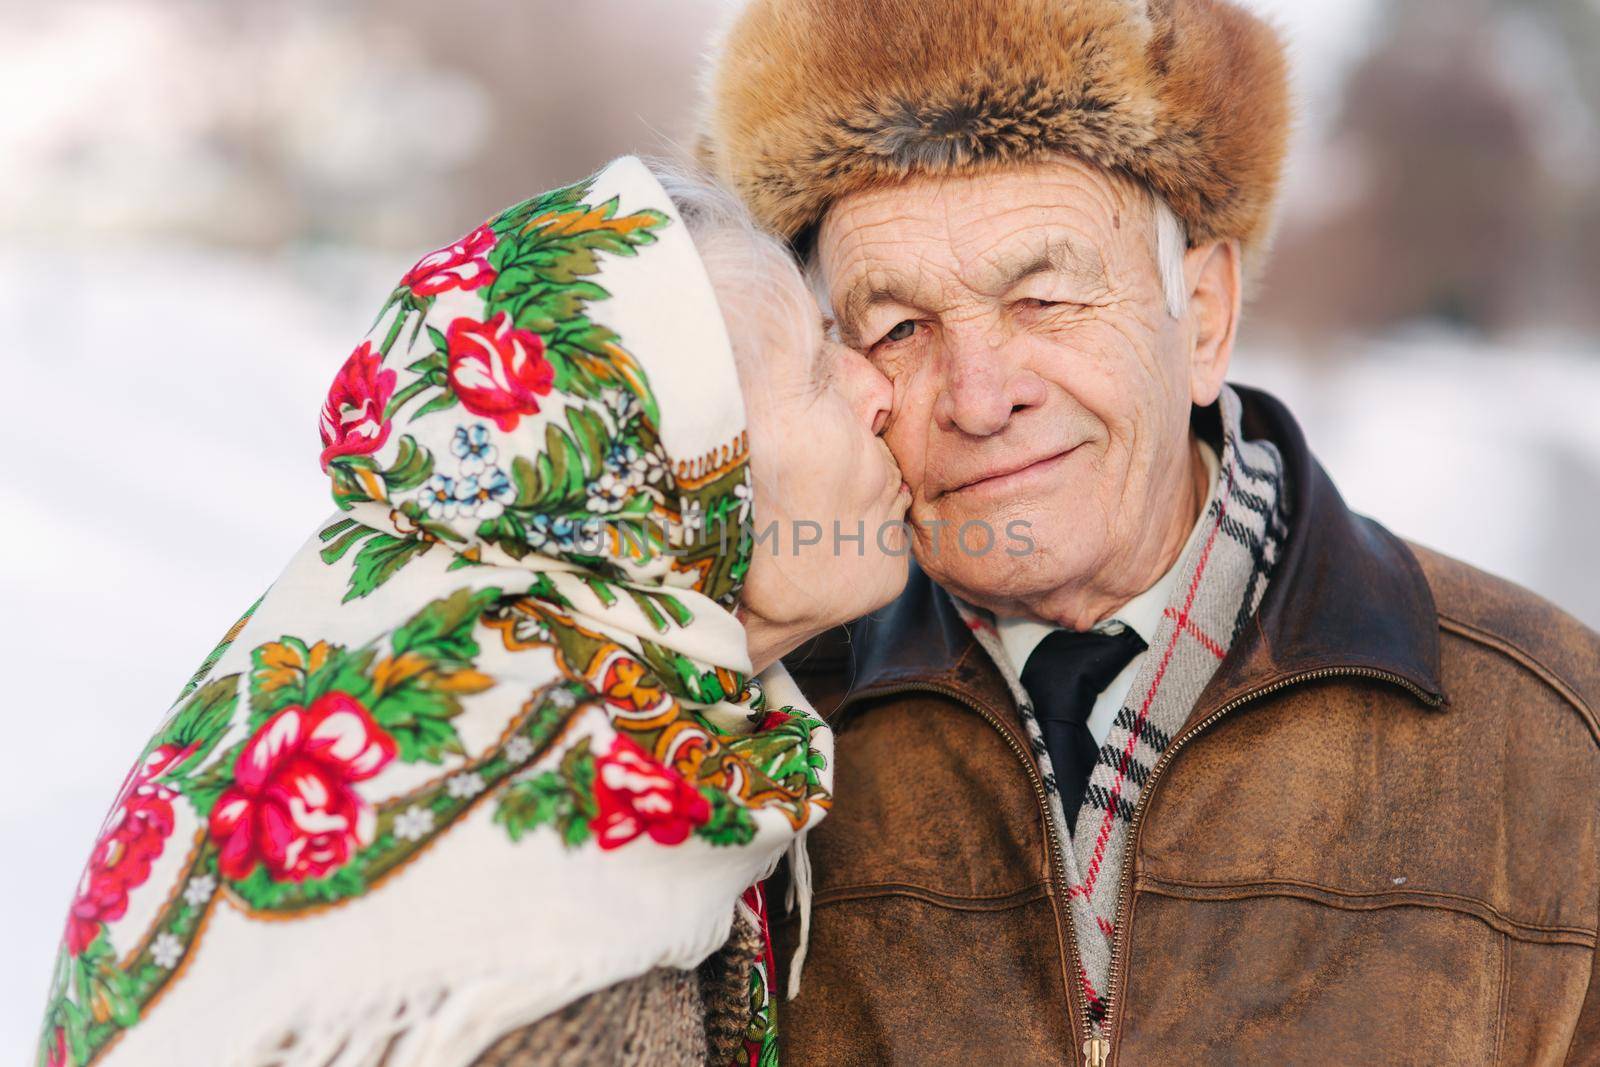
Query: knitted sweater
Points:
[665, 1018]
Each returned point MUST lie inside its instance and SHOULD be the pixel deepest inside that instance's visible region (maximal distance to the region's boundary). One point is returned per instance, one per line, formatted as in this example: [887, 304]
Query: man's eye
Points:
[901, 330]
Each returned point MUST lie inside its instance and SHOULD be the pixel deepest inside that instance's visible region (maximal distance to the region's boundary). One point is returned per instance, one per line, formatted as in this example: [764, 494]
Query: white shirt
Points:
[1019, 637]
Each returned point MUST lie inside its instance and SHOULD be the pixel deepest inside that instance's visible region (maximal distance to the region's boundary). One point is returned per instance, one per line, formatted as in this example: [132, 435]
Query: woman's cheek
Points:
[857, 486]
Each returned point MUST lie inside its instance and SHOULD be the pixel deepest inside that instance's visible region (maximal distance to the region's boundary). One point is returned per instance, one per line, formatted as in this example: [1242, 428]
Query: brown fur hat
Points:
[808, 100]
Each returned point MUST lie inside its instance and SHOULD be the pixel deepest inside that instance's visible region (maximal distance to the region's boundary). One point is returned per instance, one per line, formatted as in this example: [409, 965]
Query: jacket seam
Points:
[1584, 1005]
[1505, 982]
[1535, 666]
[952, 672]
[1519, 929]
[961, 902]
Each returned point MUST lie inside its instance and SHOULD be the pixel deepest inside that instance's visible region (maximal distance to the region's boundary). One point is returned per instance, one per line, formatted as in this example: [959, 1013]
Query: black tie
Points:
[1064, 676]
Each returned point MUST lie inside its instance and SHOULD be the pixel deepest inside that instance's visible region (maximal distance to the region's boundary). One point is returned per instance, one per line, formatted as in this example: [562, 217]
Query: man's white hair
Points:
[1171, 243]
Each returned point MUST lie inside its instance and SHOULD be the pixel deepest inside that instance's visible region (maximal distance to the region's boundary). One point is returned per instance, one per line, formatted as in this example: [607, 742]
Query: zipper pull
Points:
[1096, 1051]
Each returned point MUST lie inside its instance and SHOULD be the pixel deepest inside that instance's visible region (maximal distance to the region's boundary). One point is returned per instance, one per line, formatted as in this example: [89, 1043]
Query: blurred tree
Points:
[351, 122]
[1464, 152]
[571, 85]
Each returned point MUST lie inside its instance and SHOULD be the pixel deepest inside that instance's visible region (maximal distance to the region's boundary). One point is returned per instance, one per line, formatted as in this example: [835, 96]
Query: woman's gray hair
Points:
[759, 289]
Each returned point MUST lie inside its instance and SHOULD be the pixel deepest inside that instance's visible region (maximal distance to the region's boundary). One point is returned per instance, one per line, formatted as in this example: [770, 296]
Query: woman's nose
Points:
[869, 391]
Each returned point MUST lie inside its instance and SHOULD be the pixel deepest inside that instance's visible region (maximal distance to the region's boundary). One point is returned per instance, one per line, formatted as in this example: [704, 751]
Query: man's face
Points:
[1038, 376]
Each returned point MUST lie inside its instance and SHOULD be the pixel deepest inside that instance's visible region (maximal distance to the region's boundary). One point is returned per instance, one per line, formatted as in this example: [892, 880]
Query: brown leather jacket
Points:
[1376, 840]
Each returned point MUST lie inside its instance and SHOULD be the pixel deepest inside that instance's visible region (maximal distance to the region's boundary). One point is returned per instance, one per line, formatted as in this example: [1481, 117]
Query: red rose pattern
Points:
[497, 371]
[133, 837]
[58, 1048]
[293, 807]
[352, 420]
[463, 265]
[637, 795]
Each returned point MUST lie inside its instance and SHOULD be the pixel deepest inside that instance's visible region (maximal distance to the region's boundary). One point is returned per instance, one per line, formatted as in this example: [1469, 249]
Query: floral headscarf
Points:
[490, 742]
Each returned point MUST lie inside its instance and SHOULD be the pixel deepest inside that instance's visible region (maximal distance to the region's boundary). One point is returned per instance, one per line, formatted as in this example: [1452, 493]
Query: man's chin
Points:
[1021, 566]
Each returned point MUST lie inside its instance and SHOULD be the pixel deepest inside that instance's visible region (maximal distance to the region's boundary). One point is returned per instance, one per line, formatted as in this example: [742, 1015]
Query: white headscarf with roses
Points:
[489, 742]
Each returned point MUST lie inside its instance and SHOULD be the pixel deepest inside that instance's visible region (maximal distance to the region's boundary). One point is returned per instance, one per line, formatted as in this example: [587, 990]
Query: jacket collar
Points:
[1346, 595]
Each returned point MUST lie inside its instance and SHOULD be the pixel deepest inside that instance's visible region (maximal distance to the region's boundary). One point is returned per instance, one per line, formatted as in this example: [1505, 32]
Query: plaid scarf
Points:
[1224, 576]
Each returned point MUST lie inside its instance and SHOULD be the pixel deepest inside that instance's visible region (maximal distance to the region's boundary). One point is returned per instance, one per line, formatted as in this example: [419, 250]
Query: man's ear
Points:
[1215, 296]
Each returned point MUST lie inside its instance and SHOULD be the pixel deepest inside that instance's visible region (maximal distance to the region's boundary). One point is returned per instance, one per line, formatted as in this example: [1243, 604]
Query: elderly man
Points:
[1215, 771]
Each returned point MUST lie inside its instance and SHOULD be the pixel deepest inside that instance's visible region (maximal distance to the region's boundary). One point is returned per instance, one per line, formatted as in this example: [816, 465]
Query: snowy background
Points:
[203, 204]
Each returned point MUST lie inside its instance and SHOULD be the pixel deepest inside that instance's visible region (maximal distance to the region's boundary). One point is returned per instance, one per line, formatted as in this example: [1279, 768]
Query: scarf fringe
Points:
[437, 1024]
[799, 889]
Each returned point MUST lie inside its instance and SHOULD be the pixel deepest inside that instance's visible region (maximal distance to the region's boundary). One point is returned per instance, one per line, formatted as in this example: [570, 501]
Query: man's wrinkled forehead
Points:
[1007, 264]
[987, 234]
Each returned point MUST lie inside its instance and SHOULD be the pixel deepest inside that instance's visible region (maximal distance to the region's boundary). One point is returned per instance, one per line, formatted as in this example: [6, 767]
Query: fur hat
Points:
[808, 100]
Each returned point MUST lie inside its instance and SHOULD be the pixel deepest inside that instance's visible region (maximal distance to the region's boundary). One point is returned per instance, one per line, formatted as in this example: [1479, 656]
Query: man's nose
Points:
[983, 385]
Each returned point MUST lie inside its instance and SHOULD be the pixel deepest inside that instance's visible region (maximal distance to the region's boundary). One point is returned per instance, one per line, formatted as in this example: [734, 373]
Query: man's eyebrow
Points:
[868, 293]
[1059, 256]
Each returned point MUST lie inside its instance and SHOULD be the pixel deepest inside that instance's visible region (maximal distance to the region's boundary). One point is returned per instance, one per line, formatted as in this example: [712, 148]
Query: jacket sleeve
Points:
[1585, 1048]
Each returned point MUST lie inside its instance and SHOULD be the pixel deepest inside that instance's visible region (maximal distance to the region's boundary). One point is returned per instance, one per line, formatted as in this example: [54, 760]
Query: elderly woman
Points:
[488, 771]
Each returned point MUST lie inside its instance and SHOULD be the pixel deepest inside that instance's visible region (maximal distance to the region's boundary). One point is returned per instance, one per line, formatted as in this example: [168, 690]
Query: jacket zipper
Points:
[1097, 1046]
[1114, 975]
[1093, 1054]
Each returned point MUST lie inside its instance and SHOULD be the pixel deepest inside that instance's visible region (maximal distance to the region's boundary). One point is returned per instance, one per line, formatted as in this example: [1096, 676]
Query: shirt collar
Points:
[1020, 636]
